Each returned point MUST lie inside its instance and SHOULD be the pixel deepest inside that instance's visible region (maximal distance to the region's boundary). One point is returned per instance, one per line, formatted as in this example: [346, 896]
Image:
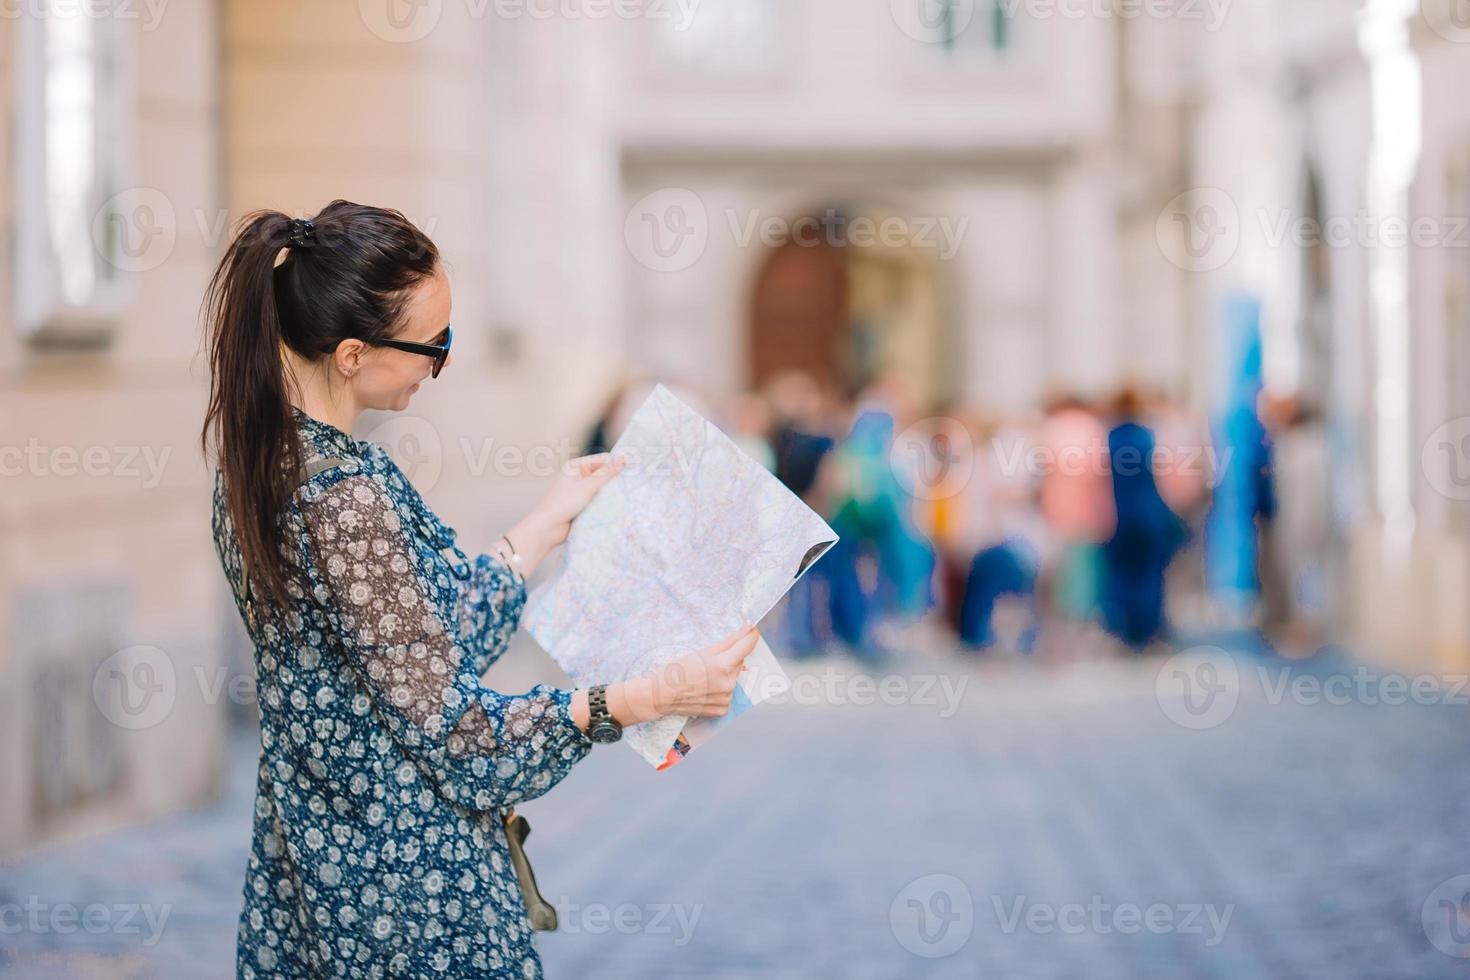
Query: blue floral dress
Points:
[378, 848]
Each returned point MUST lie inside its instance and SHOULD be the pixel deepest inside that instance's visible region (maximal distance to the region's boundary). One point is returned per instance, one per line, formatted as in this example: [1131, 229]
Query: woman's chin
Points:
[395, 403]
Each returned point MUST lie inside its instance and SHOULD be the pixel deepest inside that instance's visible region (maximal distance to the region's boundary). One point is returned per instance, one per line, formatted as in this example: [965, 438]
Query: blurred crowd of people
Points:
[1027, 534]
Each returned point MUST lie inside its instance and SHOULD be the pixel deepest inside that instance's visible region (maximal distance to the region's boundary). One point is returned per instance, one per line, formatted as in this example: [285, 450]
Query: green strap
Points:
[315, 466]
[308, 470]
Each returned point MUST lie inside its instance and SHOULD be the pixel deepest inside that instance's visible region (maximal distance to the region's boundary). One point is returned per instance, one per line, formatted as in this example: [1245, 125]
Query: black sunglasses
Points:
[439, 352]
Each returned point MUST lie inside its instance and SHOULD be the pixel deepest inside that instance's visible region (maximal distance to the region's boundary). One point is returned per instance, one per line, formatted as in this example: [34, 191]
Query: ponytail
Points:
[348, 279]
[249, 412]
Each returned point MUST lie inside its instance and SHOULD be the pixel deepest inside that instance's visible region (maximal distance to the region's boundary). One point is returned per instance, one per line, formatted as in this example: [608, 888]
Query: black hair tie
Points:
[303, 232]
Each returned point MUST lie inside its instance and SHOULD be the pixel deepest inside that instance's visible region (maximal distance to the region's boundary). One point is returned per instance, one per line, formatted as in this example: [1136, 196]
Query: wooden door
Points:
[799, 314]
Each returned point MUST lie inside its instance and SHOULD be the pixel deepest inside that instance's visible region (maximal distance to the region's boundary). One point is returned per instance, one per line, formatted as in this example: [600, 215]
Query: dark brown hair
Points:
[347, 273]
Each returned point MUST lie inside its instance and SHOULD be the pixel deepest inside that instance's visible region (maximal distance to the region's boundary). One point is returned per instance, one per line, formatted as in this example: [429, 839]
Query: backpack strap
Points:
[308, 470]
[315, 466]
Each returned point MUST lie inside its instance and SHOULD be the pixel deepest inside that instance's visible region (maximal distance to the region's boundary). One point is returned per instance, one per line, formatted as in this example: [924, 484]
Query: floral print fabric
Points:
[378, 848]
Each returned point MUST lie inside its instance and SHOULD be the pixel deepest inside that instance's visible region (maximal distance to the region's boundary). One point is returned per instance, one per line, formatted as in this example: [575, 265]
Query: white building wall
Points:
[992, 250]
[846, 76]
[1440, 287]
[93, 563]
[1010, 152]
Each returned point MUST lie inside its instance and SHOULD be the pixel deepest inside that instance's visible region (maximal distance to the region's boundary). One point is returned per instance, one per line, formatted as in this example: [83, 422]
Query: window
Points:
[728, 39]
[969, 28]
[71, 243]
[952, 42]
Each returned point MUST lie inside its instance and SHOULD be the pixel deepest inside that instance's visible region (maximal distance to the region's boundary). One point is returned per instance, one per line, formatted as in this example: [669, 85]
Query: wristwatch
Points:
[602, 727]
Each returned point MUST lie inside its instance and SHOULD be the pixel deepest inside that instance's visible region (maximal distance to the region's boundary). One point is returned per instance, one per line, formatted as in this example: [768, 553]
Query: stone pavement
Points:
[1022, 821]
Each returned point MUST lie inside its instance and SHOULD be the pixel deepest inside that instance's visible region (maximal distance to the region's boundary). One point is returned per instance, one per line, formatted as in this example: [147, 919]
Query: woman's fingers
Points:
[733, 660]
[725, 643]
[588, 465]
[703, 683]
[734, 655]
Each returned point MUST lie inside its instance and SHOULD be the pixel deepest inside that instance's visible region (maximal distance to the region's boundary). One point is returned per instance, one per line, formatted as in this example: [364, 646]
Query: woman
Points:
[378, 847]
[997, 538]
[1146, 533]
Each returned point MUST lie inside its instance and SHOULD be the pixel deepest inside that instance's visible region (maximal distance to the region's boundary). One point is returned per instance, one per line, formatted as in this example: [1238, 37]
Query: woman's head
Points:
[356, 296]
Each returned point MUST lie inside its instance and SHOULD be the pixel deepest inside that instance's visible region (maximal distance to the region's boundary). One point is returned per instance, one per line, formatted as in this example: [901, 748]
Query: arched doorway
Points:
[850, 308]
[799, 319]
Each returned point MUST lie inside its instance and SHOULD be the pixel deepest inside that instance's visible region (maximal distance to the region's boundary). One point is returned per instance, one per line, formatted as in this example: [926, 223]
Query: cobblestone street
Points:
[1004, 820]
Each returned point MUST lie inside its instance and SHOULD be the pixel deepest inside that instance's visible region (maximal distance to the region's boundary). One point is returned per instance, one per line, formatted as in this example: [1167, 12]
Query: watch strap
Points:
[597, 704]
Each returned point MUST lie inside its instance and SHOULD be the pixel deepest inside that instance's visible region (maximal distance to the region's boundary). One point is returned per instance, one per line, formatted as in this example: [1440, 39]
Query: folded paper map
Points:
[692, 540]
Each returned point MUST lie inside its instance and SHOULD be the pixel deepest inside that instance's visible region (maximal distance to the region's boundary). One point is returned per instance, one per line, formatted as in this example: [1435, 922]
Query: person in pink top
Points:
[1076, 501]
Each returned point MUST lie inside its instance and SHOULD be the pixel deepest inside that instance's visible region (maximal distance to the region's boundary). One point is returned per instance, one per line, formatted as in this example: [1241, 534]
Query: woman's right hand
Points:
[697, 684]
[702, 683]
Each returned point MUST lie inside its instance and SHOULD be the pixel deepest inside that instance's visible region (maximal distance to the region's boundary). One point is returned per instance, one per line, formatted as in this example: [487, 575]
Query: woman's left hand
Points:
[579, 482]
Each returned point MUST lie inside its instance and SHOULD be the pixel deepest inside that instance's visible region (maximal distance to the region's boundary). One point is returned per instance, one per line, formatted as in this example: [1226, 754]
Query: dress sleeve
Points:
[397, 611]
[489, 610]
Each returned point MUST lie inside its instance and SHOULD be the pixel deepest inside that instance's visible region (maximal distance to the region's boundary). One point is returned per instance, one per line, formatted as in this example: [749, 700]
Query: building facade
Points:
[993, 201]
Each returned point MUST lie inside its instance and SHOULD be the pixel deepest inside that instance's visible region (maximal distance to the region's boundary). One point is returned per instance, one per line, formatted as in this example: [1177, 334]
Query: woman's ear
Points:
[347, 358]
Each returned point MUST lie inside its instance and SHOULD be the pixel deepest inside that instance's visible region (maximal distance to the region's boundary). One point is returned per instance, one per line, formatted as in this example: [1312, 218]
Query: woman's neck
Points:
[312, 391]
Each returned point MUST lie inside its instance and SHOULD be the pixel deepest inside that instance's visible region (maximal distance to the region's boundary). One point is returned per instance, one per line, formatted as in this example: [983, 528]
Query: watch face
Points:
[604, 732]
